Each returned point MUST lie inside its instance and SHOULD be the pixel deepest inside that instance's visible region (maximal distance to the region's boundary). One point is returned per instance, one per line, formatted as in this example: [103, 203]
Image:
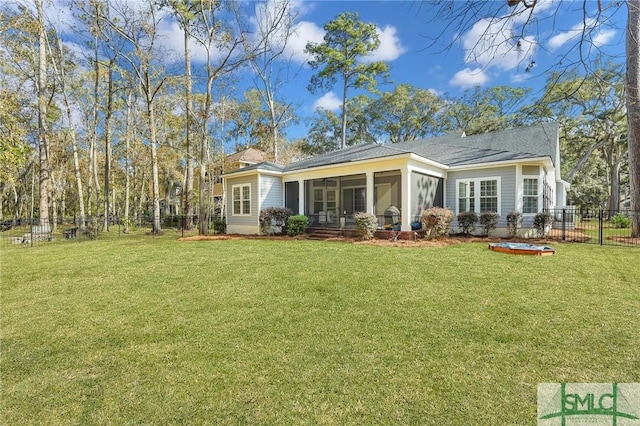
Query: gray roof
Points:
[451, 150]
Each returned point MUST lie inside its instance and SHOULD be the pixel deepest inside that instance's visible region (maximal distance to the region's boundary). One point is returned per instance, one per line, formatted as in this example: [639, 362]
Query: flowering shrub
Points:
[366, 225]
[274, 217]
[489, 221]
[436, 221]
[514, 222]
[467, 221]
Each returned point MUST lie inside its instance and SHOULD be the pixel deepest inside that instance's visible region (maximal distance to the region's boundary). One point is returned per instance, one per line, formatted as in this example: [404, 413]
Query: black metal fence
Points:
[602, 227]
[29, 232]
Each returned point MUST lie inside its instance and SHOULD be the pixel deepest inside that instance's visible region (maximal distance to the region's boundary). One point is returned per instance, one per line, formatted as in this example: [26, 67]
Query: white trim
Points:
[476, 183]
[242, 213]
[538, 195]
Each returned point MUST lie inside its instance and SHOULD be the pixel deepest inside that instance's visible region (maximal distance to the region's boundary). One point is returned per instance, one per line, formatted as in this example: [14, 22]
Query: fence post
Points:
[564, 226]
[600, 225]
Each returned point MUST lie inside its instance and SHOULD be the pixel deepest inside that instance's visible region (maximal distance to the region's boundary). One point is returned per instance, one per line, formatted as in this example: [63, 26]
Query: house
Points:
[237, 160]
[516, 169]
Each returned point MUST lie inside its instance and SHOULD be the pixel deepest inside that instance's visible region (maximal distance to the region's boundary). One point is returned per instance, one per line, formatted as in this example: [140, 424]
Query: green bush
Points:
[297, 225]
[219, 226]
[272, 217]
[514, 222]
[436, 221]
[467, 221]
[489, 221]
[541, 222]
[621, 221]
[366, 225]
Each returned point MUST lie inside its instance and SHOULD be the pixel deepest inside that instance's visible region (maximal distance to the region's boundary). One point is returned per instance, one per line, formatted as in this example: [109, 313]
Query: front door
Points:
[354, 200]
[325, 205]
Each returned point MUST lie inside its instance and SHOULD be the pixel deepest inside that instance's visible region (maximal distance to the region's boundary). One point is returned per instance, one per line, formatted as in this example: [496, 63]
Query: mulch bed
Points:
[439, 242]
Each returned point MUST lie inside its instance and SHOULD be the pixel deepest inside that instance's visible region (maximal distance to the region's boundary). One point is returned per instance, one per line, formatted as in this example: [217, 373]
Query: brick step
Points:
[324, 234]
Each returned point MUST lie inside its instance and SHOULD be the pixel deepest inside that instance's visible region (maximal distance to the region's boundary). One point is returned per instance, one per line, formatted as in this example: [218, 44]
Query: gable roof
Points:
[250, 155]
[540, 139]
[451, 150]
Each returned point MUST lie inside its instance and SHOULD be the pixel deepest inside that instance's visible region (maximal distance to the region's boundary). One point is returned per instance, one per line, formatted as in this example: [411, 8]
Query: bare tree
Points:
[275, 22]
[44, 177]
[138, 28]
[633, 108]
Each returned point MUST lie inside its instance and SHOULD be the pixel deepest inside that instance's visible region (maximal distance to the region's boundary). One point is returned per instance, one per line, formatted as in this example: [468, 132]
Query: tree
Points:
[138, 29]
[633, 109]
[345, 53]
[594, 146]
[517, 38]
[275, 26]
[41, 87]
[484, 110]
[185, 11]
[407, 113]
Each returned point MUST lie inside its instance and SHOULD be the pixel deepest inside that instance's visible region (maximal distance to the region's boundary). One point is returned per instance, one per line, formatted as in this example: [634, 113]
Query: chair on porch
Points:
[322, 217]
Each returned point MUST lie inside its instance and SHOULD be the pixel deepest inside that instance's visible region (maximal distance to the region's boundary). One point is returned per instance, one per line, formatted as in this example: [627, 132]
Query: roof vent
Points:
[463, 135]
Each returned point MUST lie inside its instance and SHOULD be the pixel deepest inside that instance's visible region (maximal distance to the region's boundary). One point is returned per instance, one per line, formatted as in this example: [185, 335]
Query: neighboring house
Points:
[235, 161]
[516, 169]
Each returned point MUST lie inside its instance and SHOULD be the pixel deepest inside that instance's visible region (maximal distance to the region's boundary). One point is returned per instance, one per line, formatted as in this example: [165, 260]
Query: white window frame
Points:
[538, 194]
[476, 191]
[241, 199]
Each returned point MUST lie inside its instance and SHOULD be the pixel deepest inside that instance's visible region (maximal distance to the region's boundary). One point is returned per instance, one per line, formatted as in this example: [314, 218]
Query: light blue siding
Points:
[507, 187]
[271, 192]
[252, 219]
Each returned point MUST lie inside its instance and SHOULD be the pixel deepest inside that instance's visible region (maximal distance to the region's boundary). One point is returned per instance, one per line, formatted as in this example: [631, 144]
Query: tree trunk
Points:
[127, 140]
[344, 115]
[633, 109]
[614, 196]
[44, 178]
[107, 148]
[188, 190]
[154, 164]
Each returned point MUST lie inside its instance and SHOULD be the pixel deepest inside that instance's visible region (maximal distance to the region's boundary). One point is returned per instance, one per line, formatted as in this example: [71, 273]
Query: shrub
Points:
[489, 221]
[514, 222]
[621, 221]
[436, 221]
[297, 225]
[219, 226]
[274, 217]
[467, 221]
[541, 222]
[366, 225]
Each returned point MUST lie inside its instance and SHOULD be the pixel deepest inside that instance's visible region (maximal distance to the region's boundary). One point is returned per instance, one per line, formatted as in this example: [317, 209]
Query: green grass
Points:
[151, 330]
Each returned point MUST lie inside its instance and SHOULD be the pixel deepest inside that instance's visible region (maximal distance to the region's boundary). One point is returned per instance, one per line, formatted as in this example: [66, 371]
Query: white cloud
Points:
[329, 102]
[603, 37]
[305, 32]
[590, 27]
[469, 77]
[560, 39]
[390, 45]
[490, 43]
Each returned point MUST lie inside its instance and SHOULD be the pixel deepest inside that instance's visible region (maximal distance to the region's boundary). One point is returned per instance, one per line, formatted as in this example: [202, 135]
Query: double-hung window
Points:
[488, 196]
[241, 200]
[466, 196]
[478, 195]
[530, 195]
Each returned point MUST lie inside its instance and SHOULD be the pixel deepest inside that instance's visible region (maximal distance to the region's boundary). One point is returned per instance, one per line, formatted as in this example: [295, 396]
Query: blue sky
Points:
[459, 59]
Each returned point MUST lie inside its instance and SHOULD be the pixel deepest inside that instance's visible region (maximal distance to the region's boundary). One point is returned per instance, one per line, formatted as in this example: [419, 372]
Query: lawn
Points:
[142, 330]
